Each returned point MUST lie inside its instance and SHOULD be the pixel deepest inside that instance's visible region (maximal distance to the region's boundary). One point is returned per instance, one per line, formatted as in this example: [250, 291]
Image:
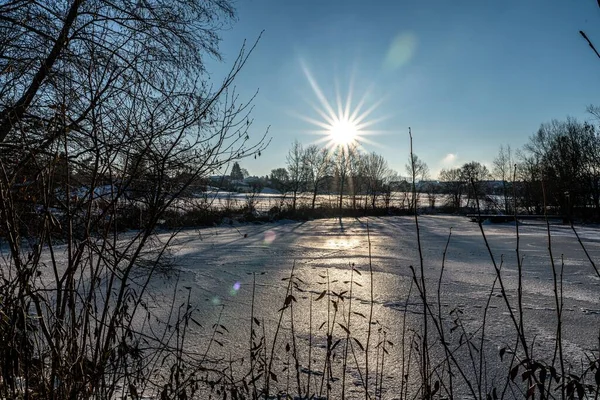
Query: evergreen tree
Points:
[236, 172]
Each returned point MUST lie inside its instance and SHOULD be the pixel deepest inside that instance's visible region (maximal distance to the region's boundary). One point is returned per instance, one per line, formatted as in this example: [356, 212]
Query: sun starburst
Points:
[341, 123]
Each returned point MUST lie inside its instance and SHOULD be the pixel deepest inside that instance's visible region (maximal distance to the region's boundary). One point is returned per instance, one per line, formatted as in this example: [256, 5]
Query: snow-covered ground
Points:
[220, 264]
[269, 198]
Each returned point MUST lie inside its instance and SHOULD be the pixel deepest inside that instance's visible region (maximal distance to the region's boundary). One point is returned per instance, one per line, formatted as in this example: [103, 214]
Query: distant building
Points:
[219, 178]
[252, 180]
[400, 186]
[431, 185]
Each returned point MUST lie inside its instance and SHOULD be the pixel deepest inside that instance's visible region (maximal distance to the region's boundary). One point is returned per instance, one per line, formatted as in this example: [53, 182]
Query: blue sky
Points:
[466, 76]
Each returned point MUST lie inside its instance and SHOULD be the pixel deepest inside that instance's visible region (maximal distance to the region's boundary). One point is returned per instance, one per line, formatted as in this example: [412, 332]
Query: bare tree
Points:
[418, 171]
[356, 175]
[474, 174]
[318, 163]
[376, 170]
[390, 185]
[453, 185]
[431, 190]
[344, 157]
[567, 154]
[529, 178]
[504, 170]
[296, 167]
[99, 99]
[280, 179]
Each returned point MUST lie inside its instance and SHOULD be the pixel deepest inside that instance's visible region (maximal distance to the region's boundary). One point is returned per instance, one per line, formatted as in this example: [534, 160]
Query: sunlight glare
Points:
[343, 132]
[341, 126]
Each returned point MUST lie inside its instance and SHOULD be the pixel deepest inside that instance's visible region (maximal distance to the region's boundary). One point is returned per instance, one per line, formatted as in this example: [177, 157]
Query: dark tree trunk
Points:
[341, 193]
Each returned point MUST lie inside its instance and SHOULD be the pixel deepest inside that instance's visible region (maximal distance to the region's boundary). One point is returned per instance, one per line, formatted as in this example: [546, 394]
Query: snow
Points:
[220, 264]
[268, 198]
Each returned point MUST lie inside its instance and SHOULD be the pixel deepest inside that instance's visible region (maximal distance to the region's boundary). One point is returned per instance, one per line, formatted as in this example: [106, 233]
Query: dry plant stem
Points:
[557, 297]
[498, 275]
[520, 261]
[351, 344]
[179, 350]
[598, 366]
[252, 353]
[327, 332]
[382, 364]
[345, 362]
[378, 347]
[519, 273]
[165, 337]
[442, 333]
[423, 290]
[328, 338]
[213, 334]
[328, 371]
[438, 330]
[468, 341]
[287, 375]
[557, 348]
[151, 272]
[587, 254]
[180, 337]
[369, 329]
[295, 348]
[483, 325]
[409, 363]
[277, 329]
[405, 366]
[310, 334]
[265, 358]
[121, 296]
[507, 382]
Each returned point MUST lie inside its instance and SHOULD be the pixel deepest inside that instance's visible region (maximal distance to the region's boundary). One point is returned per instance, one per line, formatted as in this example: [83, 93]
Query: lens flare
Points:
[269, 237]
[235, 288]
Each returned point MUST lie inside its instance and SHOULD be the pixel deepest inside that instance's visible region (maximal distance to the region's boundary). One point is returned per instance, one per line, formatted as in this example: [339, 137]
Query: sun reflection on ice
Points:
[341, 243]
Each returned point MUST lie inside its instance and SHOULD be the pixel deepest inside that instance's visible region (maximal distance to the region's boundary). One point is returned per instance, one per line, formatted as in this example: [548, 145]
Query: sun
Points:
[343, 132]
[347, 125]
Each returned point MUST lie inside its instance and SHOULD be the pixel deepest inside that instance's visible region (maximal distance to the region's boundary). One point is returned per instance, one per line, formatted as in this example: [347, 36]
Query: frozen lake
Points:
[219, 264]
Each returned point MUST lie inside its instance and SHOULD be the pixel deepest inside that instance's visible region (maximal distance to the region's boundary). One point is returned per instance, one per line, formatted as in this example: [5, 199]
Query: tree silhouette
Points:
[236, 172]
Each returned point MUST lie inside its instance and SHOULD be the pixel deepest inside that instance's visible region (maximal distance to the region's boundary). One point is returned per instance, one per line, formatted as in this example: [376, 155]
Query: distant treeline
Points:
[557, 171]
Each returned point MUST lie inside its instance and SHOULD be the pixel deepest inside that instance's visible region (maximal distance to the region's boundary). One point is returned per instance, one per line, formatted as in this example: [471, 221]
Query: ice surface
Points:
[220, 264]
